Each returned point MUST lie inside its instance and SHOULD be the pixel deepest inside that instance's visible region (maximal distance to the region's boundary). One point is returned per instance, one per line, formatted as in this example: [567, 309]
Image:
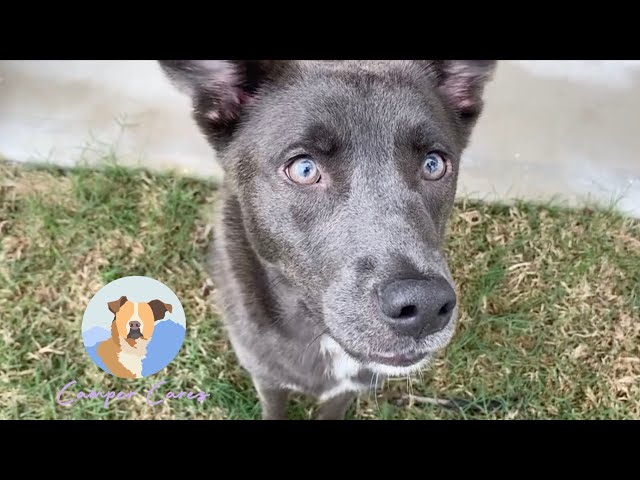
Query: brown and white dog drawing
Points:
[131, 330]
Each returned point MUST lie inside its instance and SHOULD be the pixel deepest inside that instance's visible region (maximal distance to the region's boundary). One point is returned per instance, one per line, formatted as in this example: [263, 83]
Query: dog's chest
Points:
[345, 372]
[131, 358]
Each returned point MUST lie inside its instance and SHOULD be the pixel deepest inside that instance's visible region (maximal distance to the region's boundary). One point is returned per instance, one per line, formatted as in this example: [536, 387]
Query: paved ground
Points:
[559, 129]
[565, 129]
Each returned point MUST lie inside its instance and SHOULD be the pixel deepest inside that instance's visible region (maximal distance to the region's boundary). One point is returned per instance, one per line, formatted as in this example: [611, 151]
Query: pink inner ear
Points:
[462, 83]
[242, 98]
[460, 93]
[233, 100]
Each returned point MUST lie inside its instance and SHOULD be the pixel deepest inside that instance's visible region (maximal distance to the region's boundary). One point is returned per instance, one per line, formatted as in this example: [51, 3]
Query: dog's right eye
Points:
[434, 166]
[304, 171]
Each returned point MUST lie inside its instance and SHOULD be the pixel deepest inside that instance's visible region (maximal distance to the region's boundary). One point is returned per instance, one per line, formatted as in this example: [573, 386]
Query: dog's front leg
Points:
[273, 400]
[336, 407]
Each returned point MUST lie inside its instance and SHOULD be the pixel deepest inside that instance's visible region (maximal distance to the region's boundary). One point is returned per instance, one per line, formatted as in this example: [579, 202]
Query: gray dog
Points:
[339, 180]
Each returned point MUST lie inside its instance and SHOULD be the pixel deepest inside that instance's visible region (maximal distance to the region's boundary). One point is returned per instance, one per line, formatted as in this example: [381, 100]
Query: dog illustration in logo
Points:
[131, 331]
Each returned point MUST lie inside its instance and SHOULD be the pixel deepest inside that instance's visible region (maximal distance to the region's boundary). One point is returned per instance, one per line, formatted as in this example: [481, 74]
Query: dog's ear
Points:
[220, 90]
[116, 304]
[159, 308]
[462, 82]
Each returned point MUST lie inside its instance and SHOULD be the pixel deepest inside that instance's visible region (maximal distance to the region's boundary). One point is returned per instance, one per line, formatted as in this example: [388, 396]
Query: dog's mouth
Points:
[134, 334]
[398, 360]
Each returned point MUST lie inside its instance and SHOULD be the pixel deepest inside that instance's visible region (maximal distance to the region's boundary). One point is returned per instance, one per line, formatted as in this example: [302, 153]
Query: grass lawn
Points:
[549, 297]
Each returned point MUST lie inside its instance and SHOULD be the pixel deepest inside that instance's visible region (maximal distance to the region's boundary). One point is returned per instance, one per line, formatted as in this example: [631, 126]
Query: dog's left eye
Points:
[434, 166]
[304, 171]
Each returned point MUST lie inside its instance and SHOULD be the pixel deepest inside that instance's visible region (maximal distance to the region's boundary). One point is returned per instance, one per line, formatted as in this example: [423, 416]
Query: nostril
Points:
[408, 312]
[446, 308]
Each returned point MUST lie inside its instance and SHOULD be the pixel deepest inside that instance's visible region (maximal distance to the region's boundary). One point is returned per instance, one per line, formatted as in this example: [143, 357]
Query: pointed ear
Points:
[116, 304]
[462, 82]
[220, 90]
[221, 78]
[159, 308]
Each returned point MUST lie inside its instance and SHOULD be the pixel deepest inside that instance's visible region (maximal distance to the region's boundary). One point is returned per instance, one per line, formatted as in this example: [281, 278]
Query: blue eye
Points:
[434, 166]
[304, 171]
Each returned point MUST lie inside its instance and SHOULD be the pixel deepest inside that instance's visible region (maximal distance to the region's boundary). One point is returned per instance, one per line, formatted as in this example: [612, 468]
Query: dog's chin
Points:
[399, 370]
[399, 362]
[392, 365]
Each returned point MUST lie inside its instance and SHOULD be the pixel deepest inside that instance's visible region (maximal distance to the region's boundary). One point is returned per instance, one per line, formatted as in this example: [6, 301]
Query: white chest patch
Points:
[131, 358]
[340, 366]
[343, 387]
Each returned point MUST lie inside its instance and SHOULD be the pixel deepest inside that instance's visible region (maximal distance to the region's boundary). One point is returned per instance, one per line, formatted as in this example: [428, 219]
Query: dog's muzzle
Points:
[134, 331]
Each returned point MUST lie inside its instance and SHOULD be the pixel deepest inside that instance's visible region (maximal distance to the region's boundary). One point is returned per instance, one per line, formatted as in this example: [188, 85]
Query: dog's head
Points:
[345, 173]
[134, 320]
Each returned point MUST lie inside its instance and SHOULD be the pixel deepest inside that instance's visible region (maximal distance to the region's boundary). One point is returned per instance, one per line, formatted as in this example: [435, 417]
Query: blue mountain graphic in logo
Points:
[163, 347]
[95, 335]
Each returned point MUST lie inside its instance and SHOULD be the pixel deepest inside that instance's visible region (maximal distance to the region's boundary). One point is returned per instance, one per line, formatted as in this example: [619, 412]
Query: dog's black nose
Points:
[134, 325]
[417, 307]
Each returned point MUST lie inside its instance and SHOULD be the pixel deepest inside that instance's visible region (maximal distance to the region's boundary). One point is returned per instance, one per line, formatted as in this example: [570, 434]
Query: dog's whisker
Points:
[312, 341]
[375, 393]
[372, 387]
